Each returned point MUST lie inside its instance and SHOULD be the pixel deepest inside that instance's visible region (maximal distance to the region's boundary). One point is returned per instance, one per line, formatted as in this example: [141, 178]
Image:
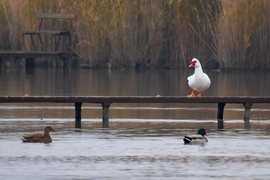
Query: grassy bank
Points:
[152, 33]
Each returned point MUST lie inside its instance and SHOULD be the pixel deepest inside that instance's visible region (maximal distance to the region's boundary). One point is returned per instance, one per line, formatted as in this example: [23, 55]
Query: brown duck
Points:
[39, 138]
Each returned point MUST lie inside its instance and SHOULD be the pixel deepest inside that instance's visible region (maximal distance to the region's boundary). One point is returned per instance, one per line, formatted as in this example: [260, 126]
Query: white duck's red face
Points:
[192, 63]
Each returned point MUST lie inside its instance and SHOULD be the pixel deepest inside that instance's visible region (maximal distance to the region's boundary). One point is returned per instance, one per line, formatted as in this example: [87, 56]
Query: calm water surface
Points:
[144, 140]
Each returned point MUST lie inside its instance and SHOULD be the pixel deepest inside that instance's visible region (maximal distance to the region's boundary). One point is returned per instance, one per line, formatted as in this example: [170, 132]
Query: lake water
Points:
[144, 140]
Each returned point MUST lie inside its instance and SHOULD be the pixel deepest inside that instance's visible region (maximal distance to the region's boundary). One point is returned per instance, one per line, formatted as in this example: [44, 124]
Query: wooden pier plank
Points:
[133, 99]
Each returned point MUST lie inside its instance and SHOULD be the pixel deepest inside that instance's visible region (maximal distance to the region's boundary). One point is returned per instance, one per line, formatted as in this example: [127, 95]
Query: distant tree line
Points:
[225, 34]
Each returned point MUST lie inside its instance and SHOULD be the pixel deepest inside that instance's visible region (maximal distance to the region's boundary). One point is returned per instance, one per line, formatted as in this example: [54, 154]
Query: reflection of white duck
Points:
[199, 81]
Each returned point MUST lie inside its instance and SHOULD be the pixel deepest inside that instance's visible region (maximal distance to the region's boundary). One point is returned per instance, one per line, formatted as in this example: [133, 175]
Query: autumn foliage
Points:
[152, 33]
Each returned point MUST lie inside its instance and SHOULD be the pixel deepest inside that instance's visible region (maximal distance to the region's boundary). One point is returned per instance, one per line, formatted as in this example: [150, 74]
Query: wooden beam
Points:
[35, 54]
[38, 32]
[132, 99]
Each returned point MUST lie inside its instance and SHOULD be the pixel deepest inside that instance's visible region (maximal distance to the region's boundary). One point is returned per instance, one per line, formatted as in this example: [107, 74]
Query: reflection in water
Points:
[144, 140]
[85, 82]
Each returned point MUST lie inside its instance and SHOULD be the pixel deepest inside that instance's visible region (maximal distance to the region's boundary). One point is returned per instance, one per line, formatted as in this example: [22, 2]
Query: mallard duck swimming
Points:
[39, 138]
[198, 138]
[199, 81]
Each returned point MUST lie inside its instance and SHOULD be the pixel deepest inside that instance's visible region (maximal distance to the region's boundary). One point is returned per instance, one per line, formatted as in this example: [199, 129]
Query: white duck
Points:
[199, 81]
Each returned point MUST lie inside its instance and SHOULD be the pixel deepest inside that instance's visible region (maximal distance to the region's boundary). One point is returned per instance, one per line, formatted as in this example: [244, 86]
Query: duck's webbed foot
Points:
[192, 94]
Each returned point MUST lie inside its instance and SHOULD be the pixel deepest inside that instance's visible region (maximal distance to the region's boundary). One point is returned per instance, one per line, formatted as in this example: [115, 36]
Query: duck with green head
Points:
[198, 138]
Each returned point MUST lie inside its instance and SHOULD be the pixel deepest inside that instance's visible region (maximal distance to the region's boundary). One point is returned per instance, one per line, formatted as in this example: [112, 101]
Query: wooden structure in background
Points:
[57, 35]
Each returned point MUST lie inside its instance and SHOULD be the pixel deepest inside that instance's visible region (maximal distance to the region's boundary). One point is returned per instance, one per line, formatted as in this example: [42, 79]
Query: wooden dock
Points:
[106, 101]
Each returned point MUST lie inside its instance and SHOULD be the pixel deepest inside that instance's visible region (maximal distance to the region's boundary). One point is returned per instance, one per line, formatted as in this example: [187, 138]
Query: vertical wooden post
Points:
[54, 42]
[105, 114]
[33, 42]
[78, 116]
[220, 115]
[64, 59]
[30, 62]
[29, 65]
[248, 106]
[40, 42]
[23, 44]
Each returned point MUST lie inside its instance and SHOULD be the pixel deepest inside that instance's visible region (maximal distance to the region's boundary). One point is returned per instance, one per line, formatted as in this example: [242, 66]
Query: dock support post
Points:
[248, 106]
[29, 62]
[105, 114]
[220, 116]
[29, 65]
[78, 116]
